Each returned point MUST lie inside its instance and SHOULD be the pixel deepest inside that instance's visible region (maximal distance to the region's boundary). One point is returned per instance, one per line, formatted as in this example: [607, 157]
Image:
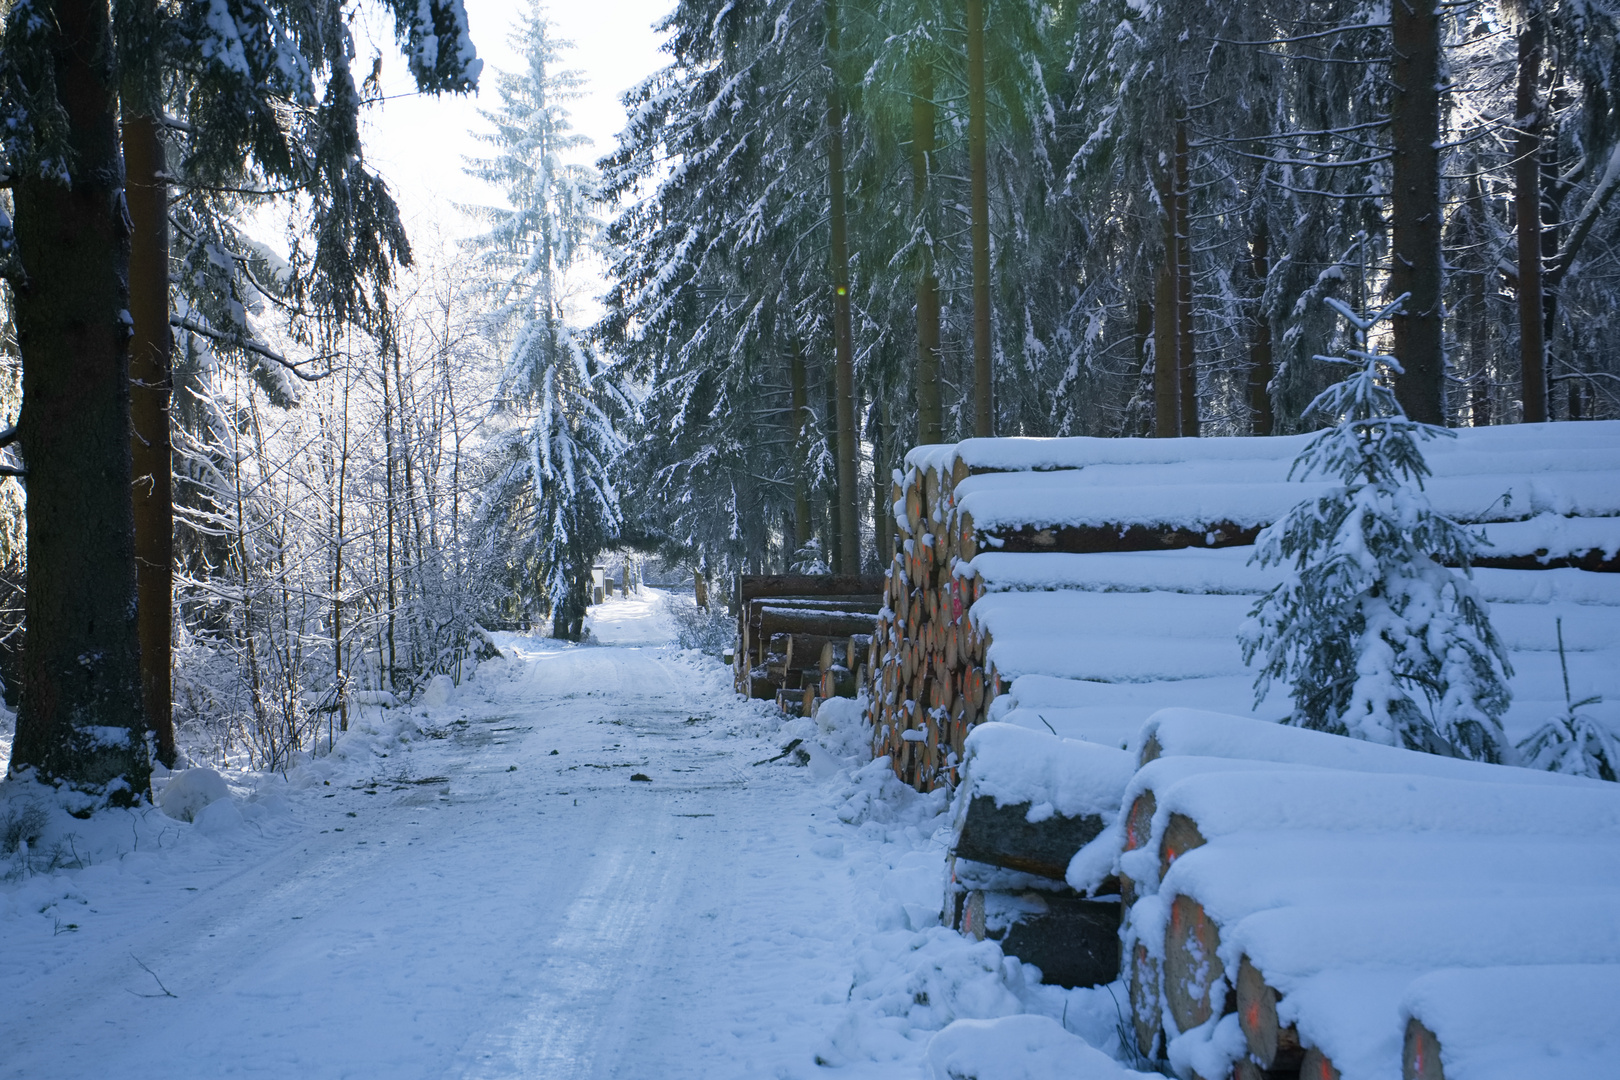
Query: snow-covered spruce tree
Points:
[551, 505]
[1577, 743]
[1376, 636]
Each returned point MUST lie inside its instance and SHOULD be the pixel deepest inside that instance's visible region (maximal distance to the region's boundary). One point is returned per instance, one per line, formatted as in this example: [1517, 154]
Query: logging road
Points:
[499, 900]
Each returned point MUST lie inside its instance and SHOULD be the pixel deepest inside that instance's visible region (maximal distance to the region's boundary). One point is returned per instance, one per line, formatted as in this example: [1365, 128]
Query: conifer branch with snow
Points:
[1376, 635]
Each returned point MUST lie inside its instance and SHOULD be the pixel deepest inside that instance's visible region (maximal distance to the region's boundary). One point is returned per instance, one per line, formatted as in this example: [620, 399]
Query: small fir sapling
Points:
[809, 559]
[1375, 636]
[1574, 743]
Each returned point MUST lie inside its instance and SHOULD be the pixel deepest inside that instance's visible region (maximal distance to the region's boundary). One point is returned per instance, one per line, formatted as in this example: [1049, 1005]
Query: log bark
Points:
[1193, 973]
[1273, 1045]
[1420, 1054]
[1075, 943]
[786, 620]
[1087, 539]
[1003, 836]
[758, 586]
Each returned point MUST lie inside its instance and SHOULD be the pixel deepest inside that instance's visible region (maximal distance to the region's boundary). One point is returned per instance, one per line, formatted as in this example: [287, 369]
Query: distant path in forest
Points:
[533, 912]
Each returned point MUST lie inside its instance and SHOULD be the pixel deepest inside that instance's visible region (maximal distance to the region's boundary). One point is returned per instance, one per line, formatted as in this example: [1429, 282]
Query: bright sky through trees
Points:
[418, 143]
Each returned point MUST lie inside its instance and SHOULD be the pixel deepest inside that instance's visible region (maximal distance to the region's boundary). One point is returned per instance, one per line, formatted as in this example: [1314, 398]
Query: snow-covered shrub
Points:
[708, 631]
[1376, 637]
[1574, 743]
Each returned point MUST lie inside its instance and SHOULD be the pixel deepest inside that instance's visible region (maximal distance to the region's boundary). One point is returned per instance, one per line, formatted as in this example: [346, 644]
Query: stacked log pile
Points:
[1016, 829]
[1058, 569]
[1338, 904]
[804, 637]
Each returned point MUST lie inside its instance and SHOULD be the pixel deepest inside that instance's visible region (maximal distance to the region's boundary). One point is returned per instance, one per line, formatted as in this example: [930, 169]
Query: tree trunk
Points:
[1192, 966]
[1261, 419]
[835, 504]
[1474, 311]
[1527, 215]
[1415, 263]
[930, 415]
[80, 718]
[882, 512]
[1166, 339]
[801, 489]
[1187, 355]
[151, 382]
[849, 550]
[979, 183]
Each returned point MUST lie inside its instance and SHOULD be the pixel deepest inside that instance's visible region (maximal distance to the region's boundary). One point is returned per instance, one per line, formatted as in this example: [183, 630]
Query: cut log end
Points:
[1193, 973]
[1144, 991]
[1139, 822]
[1317, 1066]
[1181, 835]
[1420, 1057]
[1274, 1047]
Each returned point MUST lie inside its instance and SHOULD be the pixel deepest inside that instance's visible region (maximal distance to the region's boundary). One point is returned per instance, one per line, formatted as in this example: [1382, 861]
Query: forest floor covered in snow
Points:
[489, 888]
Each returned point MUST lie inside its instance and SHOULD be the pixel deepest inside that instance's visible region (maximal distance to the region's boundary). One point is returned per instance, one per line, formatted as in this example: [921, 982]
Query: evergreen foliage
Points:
[1375, 636]
[552, 505]
[1576, 743]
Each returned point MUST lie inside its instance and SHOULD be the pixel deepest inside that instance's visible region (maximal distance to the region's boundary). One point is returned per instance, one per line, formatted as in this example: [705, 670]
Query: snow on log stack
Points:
[1293, 904]
[804, 637]
[1027, 803]
[1301, 904]
[1078, 585]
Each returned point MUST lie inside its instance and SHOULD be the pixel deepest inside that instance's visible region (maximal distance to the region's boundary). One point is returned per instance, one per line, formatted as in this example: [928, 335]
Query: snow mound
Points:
[1018, 1048]
[439, 692]
[190, 791]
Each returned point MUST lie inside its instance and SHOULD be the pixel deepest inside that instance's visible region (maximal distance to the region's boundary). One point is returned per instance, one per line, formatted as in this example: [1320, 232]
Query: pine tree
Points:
[552, 506]
[1376, 637]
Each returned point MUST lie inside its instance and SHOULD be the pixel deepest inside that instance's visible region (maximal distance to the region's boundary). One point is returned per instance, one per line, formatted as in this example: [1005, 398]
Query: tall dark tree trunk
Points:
[930, 414]
[984, 425]
[151, 383]
[801, 488]
[835, 505]
[882, 511]
[849, 549]
[1188, 352]
[1527, 214]
[1415, 264]
[1261, 419]
[1166, 322]
[80, 717]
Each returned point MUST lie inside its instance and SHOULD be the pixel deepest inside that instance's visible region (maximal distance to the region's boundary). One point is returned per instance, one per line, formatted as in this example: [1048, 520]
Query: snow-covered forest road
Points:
[497, 899]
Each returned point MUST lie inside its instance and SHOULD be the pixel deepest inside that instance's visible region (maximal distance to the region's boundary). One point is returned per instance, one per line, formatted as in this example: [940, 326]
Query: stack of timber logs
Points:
[804, 637]
[1115, 572]
[928, 686]
[1305, 885]
[1016, 829]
